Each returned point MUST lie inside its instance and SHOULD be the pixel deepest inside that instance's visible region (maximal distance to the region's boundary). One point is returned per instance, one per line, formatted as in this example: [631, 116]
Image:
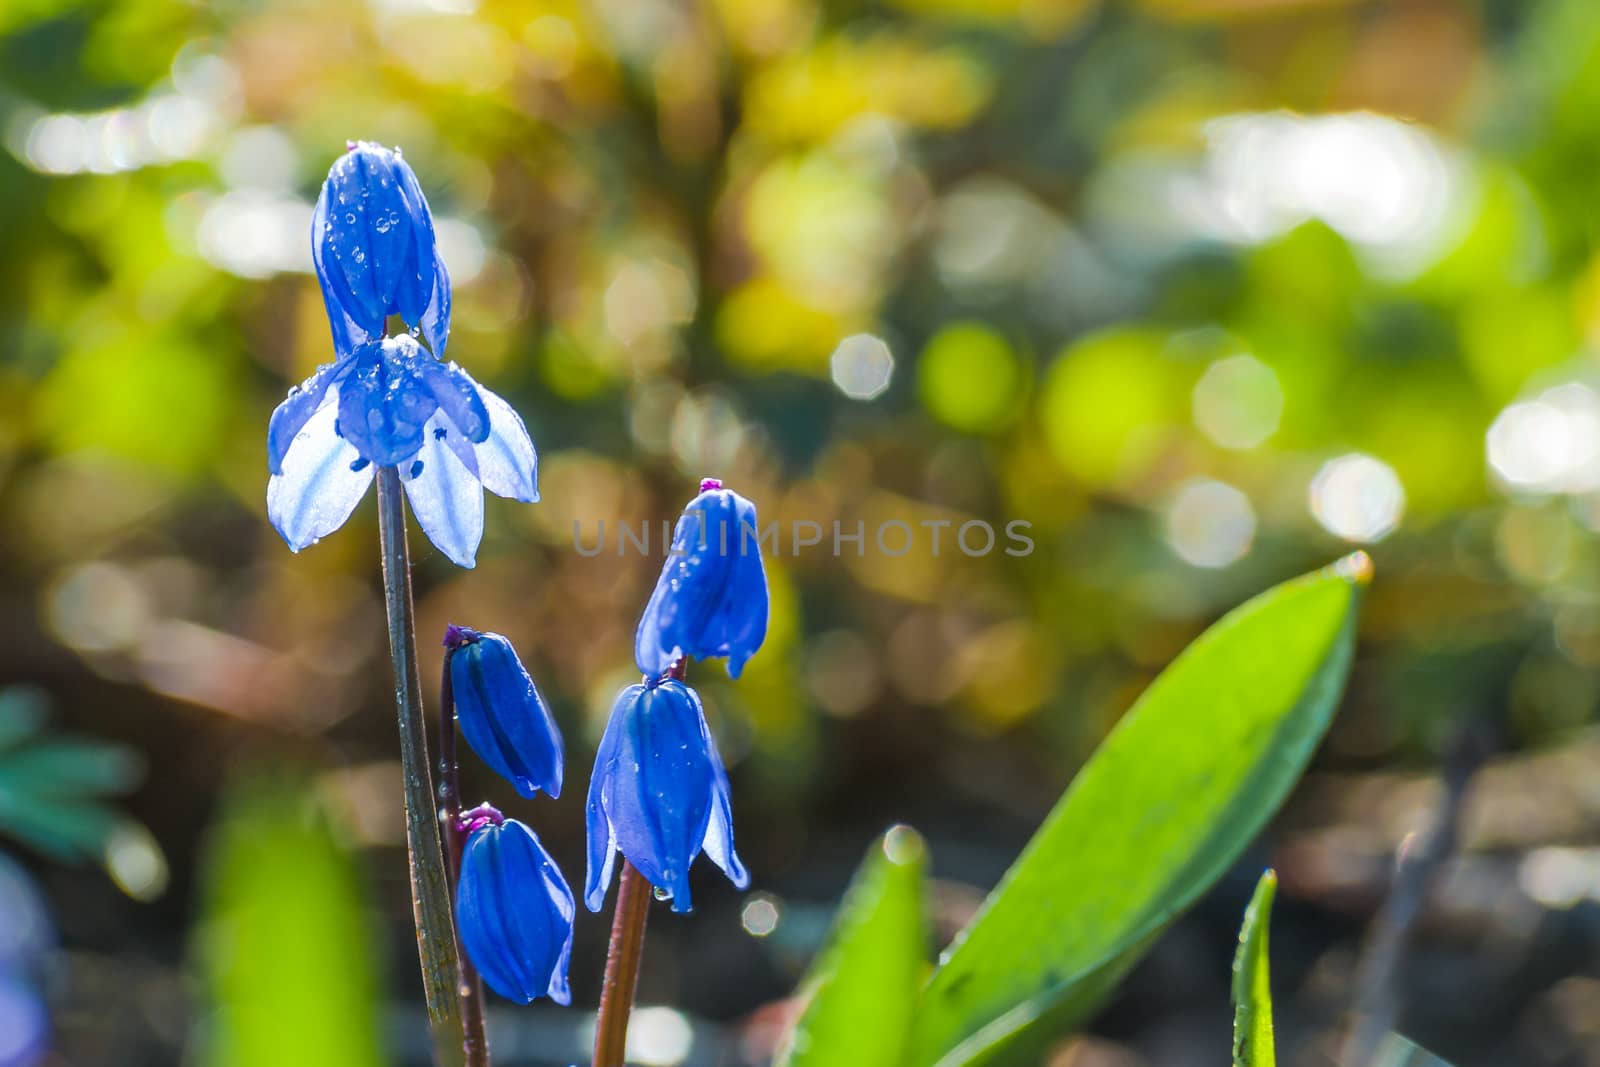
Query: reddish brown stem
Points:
[622, 967]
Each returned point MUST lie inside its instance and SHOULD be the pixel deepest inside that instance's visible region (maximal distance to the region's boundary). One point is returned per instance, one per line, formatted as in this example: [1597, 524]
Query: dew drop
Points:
[350, 217]
[661, 894]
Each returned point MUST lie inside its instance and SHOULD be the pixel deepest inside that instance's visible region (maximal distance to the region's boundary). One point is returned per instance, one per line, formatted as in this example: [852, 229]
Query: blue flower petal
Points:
[503, 717]
[375, 250]
[445, 497]
[602, 838]
[711, 598]
[323, 480]
[345, 255]
[457, 396]
[27, 1035]
[383, 211]
[291, 416]
[435, 322]
[514, 912]
[352, 324]
[423, 267]
[384, 402]
[507, 462]
[556, 889]
[659, 802]
[719, 833]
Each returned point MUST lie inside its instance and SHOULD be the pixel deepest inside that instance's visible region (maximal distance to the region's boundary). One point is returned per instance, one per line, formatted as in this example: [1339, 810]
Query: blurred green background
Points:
[1207, 292]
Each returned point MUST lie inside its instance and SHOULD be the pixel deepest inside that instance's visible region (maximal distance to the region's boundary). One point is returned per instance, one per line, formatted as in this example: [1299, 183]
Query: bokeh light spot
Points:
[659, 1037]
[1550, 444]
[760, 916]
[1210, 524]
[1358, 498]
[1238, 402]
[862, 366]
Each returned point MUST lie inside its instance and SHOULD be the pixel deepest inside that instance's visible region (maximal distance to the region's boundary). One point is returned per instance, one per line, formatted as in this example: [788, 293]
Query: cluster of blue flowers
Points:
[389, 401]
[659, 793]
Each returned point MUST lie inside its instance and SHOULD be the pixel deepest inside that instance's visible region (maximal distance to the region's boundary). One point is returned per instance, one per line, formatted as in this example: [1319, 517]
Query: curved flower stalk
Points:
[659, 794]
[373, 246]
[501, 713]
[392, 403]
[514, 910]
[711, 598]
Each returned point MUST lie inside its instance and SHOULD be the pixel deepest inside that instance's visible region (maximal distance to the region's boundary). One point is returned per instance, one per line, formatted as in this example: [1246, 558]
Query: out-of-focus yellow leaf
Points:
[763, 326]
[811, 95]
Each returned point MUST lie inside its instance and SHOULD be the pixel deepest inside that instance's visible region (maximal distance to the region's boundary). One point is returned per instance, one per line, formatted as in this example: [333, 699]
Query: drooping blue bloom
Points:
[391, 403]
[26, 936]
[711, 597]
[659, 794]
[373, 245]
[501, 713]
[514, 912]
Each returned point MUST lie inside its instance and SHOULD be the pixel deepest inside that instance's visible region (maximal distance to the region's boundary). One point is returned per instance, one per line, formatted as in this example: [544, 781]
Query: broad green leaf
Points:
[1252, 992]
[863, 988]
[1162, 809]
[290, 967]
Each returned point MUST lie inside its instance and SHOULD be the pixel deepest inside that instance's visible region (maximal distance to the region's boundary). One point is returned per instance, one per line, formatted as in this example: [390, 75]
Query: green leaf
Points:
[1252, 991]
[863, 988]
[1162, 809]
[290, 966]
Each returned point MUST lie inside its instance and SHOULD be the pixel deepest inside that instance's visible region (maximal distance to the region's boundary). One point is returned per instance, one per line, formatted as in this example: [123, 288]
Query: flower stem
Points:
[622, 967]
[475, 1043]
[430, 892]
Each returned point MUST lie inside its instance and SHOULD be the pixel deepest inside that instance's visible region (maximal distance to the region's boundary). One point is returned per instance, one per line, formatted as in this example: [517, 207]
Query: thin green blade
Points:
[1252, 991]
[289, 964]
[864, 986]
[1162, 809]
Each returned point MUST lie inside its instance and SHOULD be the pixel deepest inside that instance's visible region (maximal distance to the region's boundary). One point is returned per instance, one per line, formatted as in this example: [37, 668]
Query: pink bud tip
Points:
[456, 636]
[477, 818]
[708, 484]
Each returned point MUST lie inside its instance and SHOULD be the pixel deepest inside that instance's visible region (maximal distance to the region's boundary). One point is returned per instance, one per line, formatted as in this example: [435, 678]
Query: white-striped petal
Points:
[323, 480]
[507, 462]
[445, 497]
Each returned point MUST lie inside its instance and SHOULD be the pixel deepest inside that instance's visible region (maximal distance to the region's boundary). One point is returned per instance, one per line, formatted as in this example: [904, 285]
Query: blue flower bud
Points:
[501, 713]
[373, 245]
[514, 912]
[711, 597]
[659, 794]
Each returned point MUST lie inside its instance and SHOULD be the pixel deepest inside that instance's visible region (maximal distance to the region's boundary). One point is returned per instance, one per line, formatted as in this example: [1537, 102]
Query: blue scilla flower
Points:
[372, 242]
[711, 597]
[659, 794]
[504, 718]
[513, 910]
[393, 404]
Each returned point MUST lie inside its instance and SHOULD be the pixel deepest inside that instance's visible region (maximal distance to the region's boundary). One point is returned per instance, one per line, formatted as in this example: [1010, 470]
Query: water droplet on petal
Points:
[661, 894]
